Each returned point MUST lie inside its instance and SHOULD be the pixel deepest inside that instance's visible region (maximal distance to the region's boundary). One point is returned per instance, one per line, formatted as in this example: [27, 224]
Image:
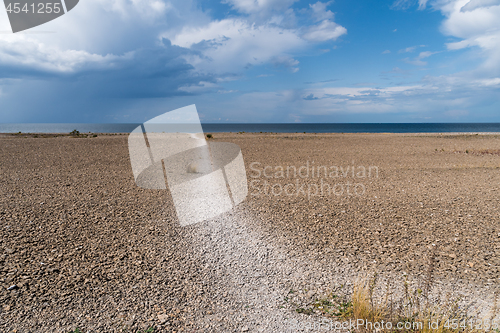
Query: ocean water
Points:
[277, 128]
[355, 128]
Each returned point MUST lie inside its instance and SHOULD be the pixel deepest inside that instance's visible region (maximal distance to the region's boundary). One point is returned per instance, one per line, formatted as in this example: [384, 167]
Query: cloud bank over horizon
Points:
[256, 61]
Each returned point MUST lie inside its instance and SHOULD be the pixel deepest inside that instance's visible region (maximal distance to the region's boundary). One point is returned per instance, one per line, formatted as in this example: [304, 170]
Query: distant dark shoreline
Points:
[267, 128]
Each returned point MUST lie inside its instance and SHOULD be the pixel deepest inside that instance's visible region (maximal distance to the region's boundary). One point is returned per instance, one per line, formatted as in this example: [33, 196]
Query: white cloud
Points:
[116, 48]
[96, 32]
[345, 93]
[326, 30]
[422, 4]
[287, 62]
[488, 82]
[231, 44]
[438, 98]
[319, 11]
[200, 87]
[97, 55]
[386, 52]
[219, 46]
[406, 4]
[417, 61]
[425, 54]
[27, 52]
[259, 6]
[477, 24]
[145, 8]
[410, 49]
[474, 4]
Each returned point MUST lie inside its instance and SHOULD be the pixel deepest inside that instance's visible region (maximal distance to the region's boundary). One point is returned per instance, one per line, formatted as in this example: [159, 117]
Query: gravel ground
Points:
[84, 247]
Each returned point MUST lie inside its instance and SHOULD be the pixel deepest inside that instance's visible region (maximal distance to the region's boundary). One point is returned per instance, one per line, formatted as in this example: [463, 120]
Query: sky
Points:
[256, 61]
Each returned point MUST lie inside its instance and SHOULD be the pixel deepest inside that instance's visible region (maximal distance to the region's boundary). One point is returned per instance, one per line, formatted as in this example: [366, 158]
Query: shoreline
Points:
[268, 133]
[288, 128]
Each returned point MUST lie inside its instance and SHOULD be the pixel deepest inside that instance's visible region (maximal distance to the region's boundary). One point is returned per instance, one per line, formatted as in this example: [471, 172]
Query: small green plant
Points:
[209, 136]
[308, 311]
[77, 330]
[344, 309]
[149, 330]
[333, 305]
[74, 132]
[94, 136]
[414, 309]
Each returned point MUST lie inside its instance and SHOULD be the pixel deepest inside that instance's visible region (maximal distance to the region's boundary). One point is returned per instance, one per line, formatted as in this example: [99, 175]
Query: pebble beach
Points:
[82, 246]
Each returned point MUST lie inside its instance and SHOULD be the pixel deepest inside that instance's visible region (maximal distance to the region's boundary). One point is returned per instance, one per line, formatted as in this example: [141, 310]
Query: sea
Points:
[268, 128]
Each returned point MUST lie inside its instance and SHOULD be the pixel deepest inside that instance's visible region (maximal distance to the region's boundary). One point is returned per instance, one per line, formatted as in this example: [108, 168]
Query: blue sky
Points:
[256, 61]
